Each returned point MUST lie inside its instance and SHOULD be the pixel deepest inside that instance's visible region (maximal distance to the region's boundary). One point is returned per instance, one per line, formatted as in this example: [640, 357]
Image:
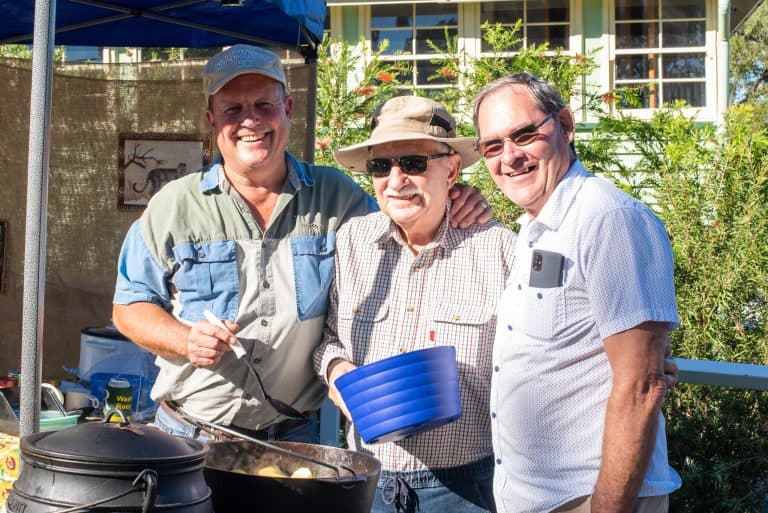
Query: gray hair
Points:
[546, 95]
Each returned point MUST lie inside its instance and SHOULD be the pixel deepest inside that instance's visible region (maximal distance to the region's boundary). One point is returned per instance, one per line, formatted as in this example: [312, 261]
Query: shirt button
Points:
[530, 244]
[355, 309]
[519, 287]
[493, 414]
[496, 368]
[409, 308]
[509, 327]
[498, 461]
[538, 295]
[201, 253]
[457, 317]
[416, 268]
[264, 322]
[264, 244]
[322, 248]
[266, 284]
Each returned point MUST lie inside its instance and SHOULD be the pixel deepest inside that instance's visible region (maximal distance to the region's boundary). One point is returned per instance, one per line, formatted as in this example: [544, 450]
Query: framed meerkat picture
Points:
[148, 161]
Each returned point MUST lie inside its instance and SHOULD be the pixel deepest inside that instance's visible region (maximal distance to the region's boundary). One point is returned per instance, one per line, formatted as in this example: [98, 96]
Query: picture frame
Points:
[148, 161]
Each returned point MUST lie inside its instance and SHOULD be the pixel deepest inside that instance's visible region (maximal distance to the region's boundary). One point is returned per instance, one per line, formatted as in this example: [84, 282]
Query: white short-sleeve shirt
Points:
[551, 378]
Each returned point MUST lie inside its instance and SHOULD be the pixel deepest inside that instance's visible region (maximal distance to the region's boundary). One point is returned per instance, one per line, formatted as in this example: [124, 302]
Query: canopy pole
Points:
[36, 221]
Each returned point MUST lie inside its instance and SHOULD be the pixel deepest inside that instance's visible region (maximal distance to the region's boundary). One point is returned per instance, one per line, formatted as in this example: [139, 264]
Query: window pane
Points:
[683, 33]
[683, 9]
[636, 9]
[691, 92]
[485, 47]
[633, 67]
[557, 36]
[437, 36]
[683, 65]
[401, 71]
[647, 97]
[501, 12]
[425, 69]
[388, 16]
[399, 40]
[553, 10]
[637, 35]
[436, 14]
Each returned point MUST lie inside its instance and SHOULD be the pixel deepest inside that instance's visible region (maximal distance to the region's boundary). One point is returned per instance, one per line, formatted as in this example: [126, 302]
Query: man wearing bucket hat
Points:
[251, 238]
[405, 280]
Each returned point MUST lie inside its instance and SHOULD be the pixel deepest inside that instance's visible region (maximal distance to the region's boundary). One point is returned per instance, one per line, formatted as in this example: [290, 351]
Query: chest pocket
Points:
[312, 271]
[207, 278]
[543, 316]
[465, 325]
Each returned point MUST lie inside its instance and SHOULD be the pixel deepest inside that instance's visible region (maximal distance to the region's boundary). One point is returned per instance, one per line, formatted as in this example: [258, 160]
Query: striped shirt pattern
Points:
[385, 300]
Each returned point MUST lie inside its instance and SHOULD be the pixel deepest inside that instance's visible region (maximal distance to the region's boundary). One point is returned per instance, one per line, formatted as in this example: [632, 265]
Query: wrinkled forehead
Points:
[408, 147]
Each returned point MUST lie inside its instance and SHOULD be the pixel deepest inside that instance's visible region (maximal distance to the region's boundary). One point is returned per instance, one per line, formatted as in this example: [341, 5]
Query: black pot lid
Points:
[117, 442]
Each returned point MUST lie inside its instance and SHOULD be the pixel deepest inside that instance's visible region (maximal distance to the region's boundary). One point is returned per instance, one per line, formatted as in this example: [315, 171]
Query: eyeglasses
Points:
[410, 164]
[520, 137]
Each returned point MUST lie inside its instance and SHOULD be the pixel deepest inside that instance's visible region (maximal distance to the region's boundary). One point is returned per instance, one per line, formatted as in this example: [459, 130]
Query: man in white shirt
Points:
[578, 380]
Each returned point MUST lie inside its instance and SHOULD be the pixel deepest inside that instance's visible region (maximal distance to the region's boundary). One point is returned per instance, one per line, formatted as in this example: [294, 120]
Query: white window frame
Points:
[707, 112]
[423, 84]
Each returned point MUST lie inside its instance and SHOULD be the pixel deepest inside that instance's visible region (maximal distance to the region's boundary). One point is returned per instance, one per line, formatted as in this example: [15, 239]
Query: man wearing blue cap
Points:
[250, 237]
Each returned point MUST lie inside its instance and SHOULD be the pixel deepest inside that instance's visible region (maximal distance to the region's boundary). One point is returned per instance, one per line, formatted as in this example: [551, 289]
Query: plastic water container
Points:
[107, 350]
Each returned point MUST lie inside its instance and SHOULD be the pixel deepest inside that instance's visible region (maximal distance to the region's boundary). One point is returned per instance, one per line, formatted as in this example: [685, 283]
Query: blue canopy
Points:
[295, 24]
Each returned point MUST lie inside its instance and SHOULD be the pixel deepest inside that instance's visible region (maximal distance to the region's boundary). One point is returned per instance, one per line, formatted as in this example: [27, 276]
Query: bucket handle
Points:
[145, 481]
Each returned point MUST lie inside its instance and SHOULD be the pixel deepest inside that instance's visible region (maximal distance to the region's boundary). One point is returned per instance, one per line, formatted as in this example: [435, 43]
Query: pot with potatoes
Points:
[248, 475]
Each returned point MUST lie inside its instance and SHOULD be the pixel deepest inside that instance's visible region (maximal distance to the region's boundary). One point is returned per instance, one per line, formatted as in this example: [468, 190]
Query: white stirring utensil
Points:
[237, 348]
[281, 407]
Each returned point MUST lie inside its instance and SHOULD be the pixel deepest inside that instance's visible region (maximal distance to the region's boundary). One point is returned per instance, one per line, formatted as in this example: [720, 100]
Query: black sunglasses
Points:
[410, 164]
[520, 137]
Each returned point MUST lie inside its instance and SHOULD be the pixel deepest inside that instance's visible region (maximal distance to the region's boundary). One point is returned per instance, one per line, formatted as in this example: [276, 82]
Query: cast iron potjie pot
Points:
[116, 467]
[230, 471]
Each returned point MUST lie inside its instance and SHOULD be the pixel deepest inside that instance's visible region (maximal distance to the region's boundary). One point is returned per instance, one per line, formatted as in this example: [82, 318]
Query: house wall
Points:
[592, 27]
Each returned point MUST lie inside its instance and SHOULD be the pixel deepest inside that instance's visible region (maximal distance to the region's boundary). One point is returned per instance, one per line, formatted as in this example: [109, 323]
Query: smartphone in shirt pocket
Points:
[546, 269]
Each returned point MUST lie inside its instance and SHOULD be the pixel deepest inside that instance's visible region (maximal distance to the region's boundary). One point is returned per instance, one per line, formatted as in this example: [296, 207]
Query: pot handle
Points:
[149, 477]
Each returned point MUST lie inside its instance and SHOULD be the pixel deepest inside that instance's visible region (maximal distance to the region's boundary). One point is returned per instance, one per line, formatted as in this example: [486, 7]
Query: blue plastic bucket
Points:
[403, 395]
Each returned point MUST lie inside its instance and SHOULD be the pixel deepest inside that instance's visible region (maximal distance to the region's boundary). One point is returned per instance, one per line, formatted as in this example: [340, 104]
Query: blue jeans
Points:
[465, 489]
[308, 432]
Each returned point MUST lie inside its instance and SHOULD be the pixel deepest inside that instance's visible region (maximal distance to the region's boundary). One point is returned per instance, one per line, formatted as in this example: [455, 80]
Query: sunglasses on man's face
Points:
[409, 164]
[520, 137]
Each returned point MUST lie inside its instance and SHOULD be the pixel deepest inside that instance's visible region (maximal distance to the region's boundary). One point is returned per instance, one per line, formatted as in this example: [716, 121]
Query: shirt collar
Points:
[214, 175]
[555, 209]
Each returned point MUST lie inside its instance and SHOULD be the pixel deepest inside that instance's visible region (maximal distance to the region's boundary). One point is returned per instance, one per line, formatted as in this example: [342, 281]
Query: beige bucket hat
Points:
[406, 118]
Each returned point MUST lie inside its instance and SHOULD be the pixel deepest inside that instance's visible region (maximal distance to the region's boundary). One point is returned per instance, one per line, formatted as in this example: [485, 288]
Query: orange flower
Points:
[365, 90]
[608, 97]
[323, 143]
[385, 77]
[580, 57]
[448, 73]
